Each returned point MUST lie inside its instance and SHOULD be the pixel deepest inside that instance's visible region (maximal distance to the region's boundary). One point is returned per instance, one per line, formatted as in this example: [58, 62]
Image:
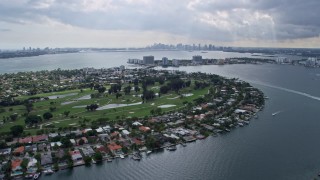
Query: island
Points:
[55, 120]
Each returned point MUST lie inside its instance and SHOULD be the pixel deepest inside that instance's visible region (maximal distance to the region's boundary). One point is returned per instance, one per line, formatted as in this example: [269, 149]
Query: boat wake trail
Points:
[288, 90]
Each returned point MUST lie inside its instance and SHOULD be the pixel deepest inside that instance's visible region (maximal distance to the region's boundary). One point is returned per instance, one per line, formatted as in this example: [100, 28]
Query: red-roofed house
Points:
[40, 138]
[137, 142]
[85, 140]
[16, 168]
[115, 148]
[18, 151]
[25, 140]
[144, 128]
[114, 135]
[76, 157]
[102, 149]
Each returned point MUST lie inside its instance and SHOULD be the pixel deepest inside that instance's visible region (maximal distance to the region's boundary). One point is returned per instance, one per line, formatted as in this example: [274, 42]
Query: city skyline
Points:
[128, 23]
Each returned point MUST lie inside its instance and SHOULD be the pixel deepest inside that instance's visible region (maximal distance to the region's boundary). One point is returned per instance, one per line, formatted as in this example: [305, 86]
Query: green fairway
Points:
[78, 112]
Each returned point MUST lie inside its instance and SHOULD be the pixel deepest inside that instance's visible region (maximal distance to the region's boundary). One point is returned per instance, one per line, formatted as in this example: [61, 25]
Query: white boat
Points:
[121, 156]
[48, 172]
[273, 114]
[149, 152]
[136, 157]
[36, 176]
[172, 148]
[28, 176]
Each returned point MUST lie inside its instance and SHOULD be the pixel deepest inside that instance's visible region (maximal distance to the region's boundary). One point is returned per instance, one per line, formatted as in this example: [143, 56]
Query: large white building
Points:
[311, 62]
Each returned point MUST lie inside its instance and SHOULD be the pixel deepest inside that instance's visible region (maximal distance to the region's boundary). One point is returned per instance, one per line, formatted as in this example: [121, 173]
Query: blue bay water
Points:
[285, 146]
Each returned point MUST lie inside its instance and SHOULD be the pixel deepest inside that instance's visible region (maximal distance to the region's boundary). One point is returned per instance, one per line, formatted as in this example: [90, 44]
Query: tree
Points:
[66, 143]
[188, 83]
[53, 108]
[29, 106]
[136, 89]
[152, 111]
[164, 89]
[176, 84]
[158, 111]
[81, 142]
[92, 107]
[33, 119]
[147, 95]
[127, 90]
[98, 157]
[101, 89]
[47, 115]
[66, 113]
[136, 82]
[24, 163]
[118, 95]
[14, 116]
[16, 130]
[87, 160]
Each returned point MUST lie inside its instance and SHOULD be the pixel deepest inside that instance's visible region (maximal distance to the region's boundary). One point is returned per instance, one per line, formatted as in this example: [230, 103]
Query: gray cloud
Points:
[213, 19]
[5, 30]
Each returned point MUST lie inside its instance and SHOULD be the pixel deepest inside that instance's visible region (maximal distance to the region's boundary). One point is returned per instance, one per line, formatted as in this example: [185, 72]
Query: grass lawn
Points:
[76, 114]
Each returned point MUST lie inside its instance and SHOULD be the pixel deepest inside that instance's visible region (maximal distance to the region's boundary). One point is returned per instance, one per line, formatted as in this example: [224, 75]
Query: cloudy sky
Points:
[137, 23]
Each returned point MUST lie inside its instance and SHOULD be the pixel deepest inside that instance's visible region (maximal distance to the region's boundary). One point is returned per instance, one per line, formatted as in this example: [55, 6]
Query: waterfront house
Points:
[137, 141]
[101, 149]
[32, 165]
[60, 153]
[87, 151]
[76, 157]
[115, 148]
[46, 158]
[16, 169]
